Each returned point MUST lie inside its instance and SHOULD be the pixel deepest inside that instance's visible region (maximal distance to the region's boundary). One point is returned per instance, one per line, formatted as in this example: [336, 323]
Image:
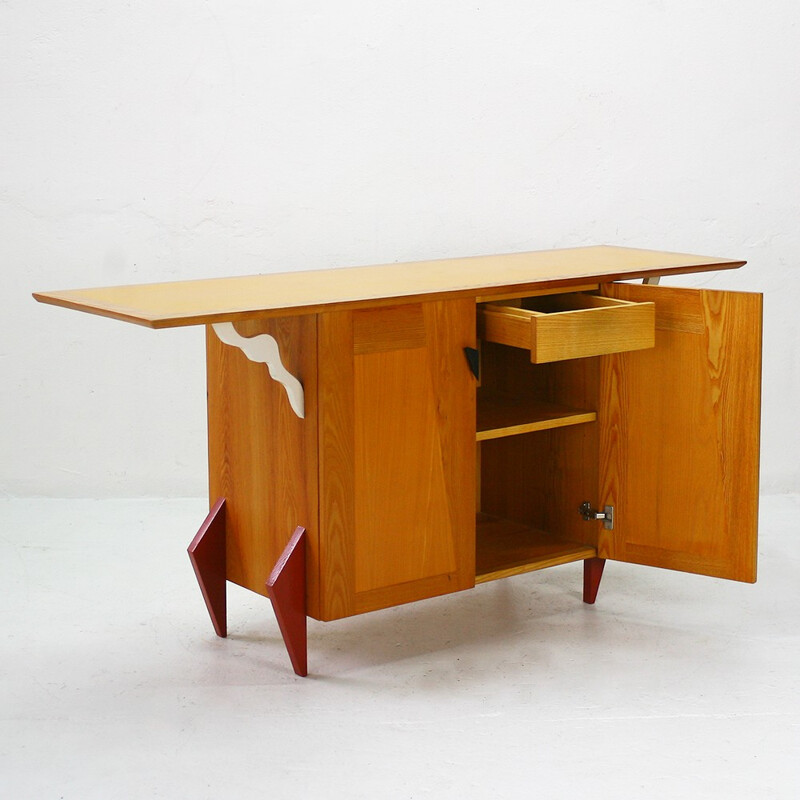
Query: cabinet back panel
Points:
[541, 478]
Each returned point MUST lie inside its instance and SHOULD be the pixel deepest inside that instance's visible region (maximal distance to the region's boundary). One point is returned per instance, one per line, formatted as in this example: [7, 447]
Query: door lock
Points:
[607, 514]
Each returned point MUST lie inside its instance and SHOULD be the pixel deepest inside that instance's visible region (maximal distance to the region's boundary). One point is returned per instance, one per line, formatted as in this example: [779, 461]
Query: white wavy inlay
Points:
[264, 349]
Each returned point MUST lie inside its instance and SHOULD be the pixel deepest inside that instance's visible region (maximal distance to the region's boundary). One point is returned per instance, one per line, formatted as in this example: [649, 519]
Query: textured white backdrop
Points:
[176, 139]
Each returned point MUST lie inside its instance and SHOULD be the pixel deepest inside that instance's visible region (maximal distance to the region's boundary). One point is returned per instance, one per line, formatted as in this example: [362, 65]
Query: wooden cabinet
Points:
[419, 428]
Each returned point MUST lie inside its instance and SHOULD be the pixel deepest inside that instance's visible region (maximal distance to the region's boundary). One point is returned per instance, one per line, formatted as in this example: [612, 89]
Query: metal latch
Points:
[607, 514]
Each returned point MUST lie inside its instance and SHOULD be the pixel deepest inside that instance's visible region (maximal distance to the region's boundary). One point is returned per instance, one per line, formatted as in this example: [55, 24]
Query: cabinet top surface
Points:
[165, 305]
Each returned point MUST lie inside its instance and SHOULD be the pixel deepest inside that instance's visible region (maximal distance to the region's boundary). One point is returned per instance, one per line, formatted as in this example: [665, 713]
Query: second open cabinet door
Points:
[679, 435]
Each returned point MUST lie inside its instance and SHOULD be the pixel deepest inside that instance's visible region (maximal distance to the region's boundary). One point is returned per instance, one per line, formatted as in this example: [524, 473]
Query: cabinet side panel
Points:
[262, 457]
[680, 435]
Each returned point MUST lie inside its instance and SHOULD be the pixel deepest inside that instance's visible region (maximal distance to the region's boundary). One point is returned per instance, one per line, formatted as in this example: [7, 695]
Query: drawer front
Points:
[560, 327]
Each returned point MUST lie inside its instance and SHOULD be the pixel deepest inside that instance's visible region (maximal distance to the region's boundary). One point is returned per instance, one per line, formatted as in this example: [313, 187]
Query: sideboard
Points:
[384, 434]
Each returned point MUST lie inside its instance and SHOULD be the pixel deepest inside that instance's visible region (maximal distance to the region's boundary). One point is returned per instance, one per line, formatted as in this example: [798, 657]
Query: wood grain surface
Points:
[397, 448]
[506, 548]
[262, 458]
[504, 414]
[561, 327]
[680, 435]
[164, 305]
[539, 479]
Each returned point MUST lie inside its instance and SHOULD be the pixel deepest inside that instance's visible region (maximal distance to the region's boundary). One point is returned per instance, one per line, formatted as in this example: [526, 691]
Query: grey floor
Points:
[114, 686]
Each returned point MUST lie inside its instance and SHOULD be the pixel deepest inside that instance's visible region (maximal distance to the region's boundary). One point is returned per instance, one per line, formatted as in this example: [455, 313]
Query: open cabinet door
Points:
[679, 435]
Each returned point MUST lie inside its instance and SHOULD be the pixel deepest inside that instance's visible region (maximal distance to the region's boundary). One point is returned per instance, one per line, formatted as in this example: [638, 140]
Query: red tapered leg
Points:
[207, 554]
[286, 588]
[592, 572]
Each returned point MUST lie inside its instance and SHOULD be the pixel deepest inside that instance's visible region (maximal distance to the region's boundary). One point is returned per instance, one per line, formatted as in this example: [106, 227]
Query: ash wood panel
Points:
[397, 440]
[414, 436]
[402, 521]
[509, 415]
[336, 464]
[677, 309]
[452, 328]
[262, 457]
[384, 329]
[680, 436]
[506, 548]
[162, 305]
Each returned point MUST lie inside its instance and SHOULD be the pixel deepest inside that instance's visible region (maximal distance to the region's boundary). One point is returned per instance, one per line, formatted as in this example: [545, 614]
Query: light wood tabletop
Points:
[197, 302]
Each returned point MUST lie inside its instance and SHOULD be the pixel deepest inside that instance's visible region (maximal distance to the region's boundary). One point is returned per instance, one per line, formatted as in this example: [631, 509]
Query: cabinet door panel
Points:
[397, 430]
[679, 435]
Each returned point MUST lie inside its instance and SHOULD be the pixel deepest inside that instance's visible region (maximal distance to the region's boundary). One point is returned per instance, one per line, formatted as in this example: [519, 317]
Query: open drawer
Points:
[576, 325]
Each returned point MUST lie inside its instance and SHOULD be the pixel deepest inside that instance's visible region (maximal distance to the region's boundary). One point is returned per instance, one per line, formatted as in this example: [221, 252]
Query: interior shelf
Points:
[506, 548]
[505, 415]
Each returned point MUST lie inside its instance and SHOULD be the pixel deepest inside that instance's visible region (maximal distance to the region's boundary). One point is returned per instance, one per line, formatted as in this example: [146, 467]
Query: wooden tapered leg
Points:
[286, 588]
[592, 572]
[207, 554]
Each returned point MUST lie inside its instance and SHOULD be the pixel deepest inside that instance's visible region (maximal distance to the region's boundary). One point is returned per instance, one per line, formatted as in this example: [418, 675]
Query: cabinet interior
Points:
[537, 460]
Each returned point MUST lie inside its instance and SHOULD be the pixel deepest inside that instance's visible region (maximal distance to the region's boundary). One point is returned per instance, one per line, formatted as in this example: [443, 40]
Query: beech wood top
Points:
[201, 302]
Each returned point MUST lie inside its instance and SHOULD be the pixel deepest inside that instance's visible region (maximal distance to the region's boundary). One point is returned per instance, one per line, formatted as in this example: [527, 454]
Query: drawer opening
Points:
[574, 301]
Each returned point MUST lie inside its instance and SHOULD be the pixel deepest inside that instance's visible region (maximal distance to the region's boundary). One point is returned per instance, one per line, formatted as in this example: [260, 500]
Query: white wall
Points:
[177, 139]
